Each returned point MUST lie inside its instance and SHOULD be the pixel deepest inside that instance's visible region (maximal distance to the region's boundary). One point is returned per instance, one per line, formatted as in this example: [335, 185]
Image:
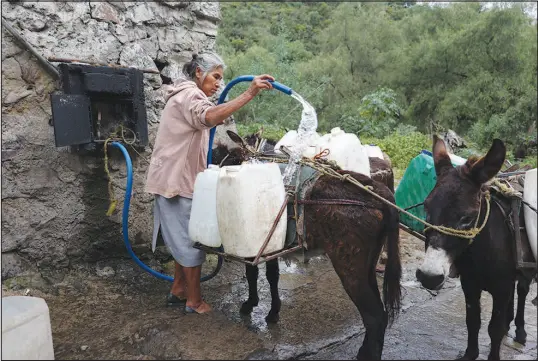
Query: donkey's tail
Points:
[393, 267]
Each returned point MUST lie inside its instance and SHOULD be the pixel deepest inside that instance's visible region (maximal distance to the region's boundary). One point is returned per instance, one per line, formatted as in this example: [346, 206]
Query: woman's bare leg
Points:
[194, 293]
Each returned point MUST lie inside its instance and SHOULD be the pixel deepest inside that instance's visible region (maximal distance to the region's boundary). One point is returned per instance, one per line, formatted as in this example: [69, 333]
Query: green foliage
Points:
[530, 160]
[270, 131]
[388, 69]
[401, 148]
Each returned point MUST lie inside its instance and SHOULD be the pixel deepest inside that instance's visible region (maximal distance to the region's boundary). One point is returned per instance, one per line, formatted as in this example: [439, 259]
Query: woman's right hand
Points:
[217, 114]
[260, 82]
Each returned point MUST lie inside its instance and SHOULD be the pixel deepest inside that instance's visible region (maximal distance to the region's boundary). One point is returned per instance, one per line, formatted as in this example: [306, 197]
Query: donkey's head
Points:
[454, 202]
[247, 146]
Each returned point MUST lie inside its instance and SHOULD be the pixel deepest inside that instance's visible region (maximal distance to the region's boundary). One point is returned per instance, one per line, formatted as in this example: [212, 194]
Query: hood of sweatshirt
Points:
[178, 86]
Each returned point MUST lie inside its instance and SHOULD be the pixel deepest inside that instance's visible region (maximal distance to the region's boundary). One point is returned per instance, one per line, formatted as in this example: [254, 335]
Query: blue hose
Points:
[125, 224]
[284, 89]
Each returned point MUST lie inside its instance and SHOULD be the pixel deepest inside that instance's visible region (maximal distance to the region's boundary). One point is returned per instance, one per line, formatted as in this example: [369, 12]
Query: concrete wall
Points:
[54, 200]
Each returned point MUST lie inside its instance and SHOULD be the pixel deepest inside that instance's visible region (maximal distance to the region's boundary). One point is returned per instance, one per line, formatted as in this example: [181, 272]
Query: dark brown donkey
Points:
[352, 236]
[486, 263]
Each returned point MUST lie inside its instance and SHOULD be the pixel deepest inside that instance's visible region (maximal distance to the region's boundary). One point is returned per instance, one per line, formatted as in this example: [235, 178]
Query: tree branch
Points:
[349, 49]
[338, 90]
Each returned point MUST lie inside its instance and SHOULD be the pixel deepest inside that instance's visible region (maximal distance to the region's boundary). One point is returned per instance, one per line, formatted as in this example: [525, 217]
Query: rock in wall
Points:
[54, 201]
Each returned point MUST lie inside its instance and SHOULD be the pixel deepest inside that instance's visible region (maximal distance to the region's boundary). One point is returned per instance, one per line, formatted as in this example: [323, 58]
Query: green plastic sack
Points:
[417, 182]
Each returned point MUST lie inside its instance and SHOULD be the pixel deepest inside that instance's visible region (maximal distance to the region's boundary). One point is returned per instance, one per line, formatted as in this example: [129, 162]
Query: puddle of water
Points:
[414, 284]
[510, 342]
[291, 268]
[290, 281]
[524, 357]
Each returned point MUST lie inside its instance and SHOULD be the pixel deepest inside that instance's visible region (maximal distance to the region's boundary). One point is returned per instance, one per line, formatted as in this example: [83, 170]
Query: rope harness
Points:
[470, 234]
[329, 168]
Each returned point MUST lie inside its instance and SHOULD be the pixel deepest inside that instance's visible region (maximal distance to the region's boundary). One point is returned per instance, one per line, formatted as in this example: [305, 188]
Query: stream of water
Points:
[307, 128]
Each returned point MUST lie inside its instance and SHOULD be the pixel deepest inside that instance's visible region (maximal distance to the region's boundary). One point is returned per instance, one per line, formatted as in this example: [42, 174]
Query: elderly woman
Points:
[179, 154]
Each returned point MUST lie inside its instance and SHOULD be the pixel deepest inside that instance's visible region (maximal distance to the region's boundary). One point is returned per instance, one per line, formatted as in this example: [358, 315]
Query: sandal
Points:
[173, 301]
[195, 310]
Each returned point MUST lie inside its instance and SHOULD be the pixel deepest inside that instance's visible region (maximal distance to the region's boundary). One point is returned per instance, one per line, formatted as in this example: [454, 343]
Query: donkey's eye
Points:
[466, 220]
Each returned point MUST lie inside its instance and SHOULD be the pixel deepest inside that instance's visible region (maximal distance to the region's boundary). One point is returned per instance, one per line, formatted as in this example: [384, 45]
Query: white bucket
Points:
[26, 330]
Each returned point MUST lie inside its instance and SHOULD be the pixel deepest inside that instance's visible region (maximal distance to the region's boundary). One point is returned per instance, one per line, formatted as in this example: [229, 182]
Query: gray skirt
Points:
[172, 216]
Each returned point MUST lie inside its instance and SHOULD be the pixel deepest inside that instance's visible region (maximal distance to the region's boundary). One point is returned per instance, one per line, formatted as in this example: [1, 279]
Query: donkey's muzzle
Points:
[429, 281]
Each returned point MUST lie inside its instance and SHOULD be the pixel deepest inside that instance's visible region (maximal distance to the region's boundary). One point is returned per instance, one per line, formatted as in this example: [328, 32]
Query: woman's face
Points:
[211, 83]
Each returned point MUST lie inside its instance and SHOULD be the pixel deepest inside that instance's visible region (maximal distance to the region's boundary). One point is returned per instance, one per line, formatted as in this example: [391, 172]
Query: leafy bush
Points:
[401, 148]
[270, 131]
[531, 160]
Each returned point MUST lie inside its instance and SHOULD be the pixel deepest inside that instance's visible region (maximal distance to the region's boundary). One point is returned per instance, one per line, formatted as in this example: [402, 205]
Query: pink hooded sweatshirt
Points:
[181, 146]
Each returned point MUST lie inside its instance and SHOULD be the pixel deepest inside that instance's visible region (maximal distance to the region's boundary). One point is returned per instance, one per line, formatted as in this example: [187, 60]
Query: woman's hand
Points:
[260, 82]
[217, 114]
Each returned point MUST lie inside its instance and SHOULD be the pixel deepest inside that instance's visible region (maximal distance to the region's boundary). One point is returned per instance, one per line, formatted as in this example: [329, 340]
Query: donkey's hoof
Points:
[247, 307]
[272, 317]
[521, 337]
[468, 356]
[363, 354]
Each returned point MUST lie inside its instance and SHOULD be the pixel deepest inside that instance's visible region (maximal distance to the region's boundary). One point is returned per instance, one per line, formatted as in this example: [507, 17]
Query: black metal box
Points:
[72, 122]
[96, 101]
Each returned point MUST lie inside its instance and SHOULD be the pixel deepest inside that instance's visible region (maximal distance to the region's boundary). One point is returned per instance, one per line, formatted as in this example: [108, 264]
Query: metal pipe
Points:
[275, 223]
[266, 258]
[413, 233]
[509, 174]
[48, 66]
[281, 253]
[222, 254]
[66, 60]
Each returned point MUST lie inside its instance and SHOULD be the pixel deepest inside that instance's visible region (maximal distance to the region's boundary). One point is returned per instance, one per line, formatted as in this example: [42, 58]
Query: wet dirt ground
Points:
[119, 313]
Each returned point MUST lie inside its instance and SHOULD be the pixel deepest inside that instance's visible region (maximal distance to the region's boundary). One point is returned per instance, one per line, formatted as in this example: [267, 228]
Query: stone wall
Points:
[54, 201]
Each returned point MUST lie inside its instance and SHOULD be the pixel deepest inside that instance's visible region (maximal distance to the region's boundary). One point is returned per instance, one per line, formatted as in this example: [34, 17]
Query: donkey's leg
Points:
[353, 268]
[252, 279]
[523, 286]
[374, 337]
[497, 323]
[472, 316]
[273, 274]
[510, 311]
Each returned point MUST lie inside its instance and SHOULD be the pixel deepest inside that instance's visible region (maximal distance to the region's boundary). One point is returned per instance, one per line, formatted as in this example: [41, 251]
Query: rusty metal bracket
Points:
[259, 258]
[262, 259]
[275, 223]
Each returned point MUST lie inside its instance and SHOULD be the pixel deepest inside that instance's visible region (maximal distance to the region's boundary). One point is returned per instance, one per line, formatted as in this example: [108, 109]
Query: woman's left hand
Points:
[260, 82]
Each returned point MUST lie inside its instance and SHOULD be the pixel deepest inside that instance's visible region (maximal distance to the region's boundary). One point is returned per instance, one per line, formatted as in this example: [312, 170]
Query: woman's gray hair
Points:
[205, 61]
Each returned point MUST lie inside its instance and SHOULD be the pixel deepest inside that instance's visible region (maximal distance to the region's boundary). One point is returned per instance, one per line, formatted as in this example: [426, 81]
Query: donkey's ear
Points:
[488, 166]
[440, 156]
[236, 138]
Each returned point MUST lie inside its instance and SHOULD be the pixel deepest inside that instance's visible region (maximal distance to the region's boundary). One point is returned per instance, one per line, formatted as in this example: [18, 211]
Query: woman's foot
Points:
[173, 300]
[200, 309]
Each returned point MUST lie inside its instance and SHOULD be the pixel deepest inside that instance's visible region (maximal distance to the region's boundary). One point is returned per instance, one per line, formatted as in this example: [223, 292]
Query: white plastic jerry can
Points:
[288, 140]
[203, 224]
[531, 219]
[346, 150]
[249, 198]
[26, 329]
[374, 151]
